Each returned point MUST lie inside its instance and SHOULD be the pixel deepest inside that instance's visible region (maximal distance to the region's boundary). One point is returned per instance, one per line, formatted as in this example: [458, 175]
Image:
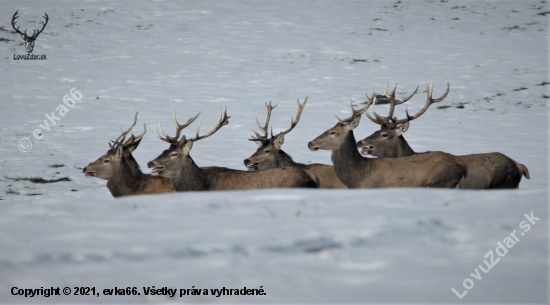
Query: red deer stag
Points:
[122, 171]
[485, 171]
[176, 163]
[434, 169]
[270, 154]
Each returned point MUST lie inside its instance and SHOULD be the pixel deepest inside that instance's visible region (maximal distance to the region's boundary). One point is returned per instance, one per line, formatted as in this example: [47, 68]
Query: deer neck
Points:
[286, 160]
[191, 177]
[128, 178]
[403, 149]
[349, 165]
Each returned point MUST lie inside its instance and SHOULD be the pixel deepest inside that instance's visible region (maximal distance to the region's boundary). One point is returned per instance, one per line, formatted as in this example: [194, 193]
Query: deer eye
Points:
[332, 133]
[384, 135]
[106, 161]
[267, 151]
[174, 154]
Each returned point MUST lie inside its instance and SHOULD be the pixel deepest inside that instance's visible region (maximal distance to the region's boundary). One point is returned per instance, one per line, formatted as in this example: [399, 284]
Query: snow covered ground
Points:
[300, 246]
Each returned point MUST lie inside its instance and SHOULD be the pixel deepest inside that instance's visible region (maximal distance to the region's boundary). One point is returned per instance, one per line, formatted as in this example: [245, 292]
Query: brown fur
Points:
[434, 169]
[485, 171]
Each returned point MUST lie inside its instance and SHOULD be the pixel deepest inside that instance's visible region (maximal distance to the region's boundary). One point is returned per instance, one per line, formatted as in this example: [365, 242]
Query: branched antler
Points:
[119, 141]
[354, 113]
[391, 121]
[224, 120]
[179, 128]
[293, 122]
[259, 137]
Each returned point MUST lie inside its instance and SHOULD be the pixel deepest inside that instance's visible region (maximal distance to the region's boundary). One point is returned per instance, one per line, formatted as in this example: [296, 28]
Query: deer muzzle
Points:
[312, 146]
[156, 169]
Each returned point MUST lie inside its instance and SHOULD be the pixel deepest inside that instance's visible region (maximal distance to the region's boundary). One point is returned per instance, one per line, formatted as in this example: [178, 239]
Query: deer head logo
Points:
[29, 40]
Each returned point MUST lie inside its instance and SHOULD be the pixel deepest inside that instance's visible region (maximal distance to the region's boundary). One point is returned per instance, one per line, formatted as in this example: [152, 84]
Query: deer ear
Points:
[119, 150]
[259, 143]
[402, 129]
[354, 122]
[279, 141]
[130, 148]
[186, 148]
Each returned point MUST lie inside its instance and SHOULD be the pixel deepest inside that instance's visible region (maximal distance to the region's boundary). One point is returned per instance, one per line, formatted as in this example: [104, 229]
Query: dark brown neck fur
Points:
[192, 177]
[349, 165]
[128, 179]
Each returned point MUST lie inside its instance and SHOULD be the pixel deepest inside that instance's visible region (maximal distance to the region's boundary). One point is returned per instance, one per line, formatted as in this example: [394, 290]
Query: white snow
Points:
[301, 246]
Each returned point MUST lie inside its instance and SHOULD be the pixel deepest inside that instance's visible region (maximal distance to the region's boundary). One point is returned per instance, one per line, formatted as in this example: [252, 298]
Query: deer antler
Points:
[370, 101]
[430, 101]
[179, 128]
[393, 101]
[293, 122]
[119, 141]
[224, 120]
[354, 113]
[389, 120]
[259, 137]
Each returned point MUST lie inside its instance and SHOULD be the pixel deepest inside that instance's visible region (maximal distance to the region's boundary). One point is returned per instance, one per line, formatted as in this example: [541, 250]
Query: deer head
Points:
[107, 165]
[388, 142]
[29, 40]
[333, 138]
[269, 153]
[169, 162]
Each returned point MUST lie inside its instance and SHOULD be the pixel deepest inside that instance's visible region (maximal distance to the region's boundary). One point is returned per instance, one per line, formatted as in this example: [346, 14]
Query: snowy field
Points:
[299, 246]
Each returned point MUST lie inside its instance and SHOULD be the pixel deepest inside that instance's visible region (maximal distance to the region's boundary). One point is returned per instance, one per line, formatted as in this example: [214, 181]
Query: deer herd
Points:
[396, 165]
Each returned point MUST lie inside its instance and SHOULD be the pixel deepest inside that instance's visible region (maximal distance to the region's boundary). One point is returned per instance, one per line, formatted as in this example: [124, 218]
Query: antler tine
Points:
[224, 120]
[429, 102]
[340, 120]
[407, 98]
[264, 129]
[444, 95]
[179, 127]
[356, 112]
[381, 119]
[370, 101]
[393, 101]
[133, 138]
[123, 135]
[165, 139]
[293, 122]
[258, 137]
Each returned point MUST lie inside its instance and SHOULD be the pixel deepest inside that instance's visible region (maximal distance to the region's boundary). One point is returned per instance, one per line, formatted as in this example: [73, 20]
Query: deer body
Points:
[270, 155]
[177, 164]
[129, 180]
[190, 177]
[324, 175]
[485, 171]
[436, 169]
